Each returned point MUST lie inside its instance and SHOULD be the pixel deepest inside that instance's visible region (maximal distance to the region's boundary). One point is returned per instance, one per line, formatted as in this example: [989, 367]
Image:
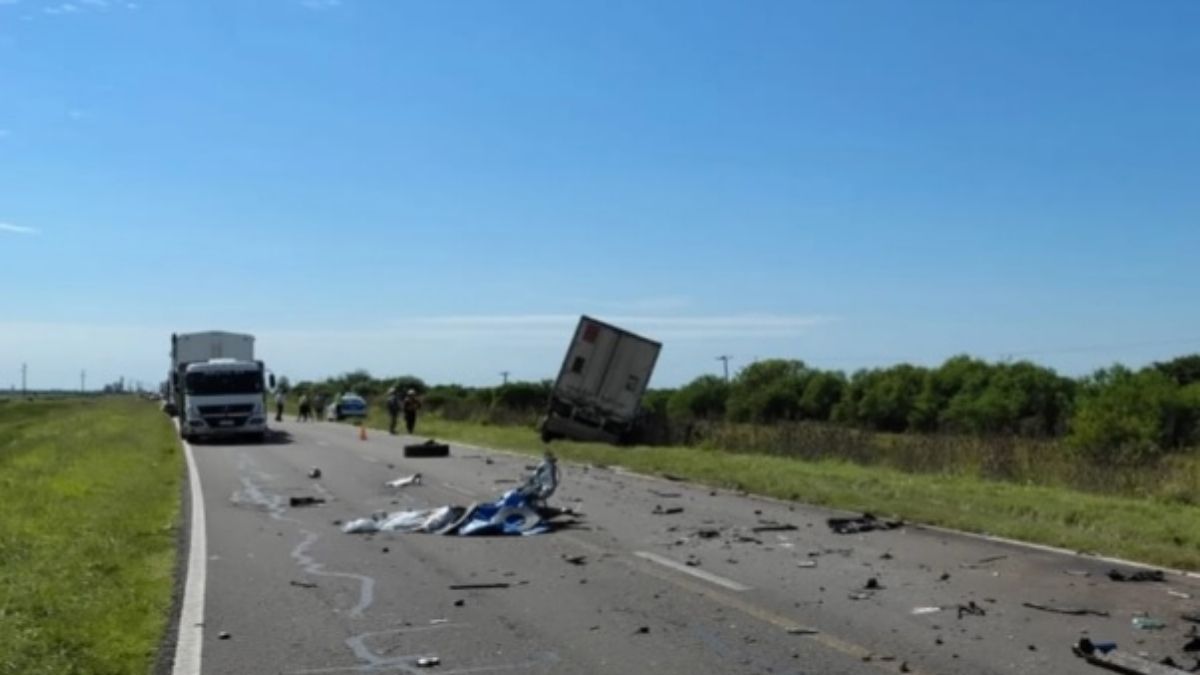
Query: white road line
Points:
[699, 574]
[191, 616]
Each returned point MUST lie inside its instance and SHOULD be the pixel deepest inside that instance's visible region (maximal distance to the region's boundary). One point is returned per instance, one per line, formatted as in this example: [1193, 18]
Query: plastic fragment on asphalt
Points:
[314, 472]
[926, 610]
[801, 630]
[428, 661]
[864, 523]
[414, 479]
[1148, 623]
[806, 564]
[305, 501]
[1179, 594]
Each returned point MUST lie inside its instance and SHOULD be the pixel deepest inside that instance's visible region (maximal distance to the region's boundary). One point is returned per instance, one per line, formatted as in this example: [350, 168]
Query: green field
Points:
[88, 528]
[1157, 531]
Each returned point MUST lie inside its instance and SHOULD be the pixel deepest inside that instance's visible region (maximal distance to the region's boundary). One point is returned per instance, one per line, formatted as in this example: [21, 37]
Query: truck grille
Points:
[236, 409]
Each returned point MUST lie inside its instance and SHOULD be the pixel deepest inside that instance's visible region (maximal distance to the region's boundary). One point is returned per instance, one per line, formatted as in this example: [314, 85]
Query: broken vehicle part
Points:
[429, 448]
[305, 501]
[864, 523]
[1140, 575]
[414, 479]
[1075, 611]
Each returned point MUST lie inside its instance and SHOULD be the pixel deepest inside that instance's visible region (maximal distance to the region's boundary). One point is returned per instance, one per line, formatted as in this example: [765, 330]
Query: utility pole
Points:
[724, 359]
[82, 381]
[24, 370]
[504, 374]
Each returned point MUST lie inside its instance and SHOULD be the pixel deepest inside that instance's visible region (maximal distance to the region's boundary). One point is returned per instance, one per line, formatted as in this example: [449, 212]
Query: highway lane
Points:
[698, 591]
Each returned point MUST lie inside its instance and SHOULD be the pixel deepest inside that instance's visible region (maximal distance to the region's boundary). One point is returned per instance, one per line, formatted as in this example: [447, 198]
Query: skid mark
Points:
[366, 592]
[276, 505]
[374, 662]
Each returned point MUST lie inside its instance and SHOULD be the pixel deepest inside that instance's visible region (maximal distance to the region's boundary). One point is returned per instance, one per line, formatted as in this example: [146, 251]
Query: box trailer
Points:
[599, 388]
[215, 386]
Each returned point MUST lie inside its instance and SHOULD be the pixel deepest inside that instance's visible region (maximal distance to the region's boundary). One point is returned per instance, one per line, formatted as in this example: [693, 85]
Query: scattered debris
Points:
[428, 661]
[1075, 611]
[887, 555]
[303, 584]
[945, 576]
[459, 602]
[1078, 573]
[859, 596]
[1192, 645]
[864, 523]
[982, 562]
[474, 587]
[708, 533]
[747, 539]
[666, 495]
[1140, 575]
[801, 630]
[314, 472]
[926, 610]
[436, 622]
[1179, 594]
[642, 630]
[1106, 655]
[972, 609]
[429, 448]
[673, 478]
[575, 559]
[305, 501]
[1194, 617]
[806, 564]
[223, 635]
[668, 511]
[767, 526]
[1148, 623]
[414, 479]
[872, 584]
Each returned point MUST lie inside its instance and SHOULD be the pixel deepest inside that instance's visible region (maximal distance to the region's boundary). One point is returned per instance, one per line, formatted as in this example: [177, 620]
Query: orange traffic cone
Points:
[362, 431]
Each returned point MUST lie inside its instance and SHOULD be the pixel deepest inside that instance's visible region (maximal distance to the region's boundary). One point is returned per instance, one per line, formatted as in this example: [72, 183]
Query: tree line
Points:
[1116, 413]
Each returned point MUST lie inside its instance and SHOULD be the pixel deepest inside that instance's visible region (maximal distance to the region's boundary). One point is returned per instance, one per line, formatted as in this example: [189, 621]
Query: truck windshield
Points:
[208, 384]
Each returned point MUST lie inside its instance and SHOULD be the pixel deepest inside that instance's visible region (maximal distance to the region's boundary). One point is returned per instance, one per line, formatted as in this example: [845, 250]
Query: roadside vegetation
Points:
[87, 534]
[1107, 463]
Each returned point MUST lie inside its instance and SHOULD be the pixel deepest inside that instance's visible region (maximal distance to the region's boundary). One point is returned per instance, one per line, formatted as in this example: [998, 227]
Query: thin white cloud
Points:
[64, 8]
[17, 229]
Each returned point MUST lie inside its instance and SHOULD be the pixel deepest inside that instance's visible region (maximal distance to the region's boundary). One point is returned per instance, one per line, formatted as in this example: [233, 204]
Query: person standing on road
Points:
[280, 399]
[305, 412]
[393, 408]
[319, 402]
[411, 405]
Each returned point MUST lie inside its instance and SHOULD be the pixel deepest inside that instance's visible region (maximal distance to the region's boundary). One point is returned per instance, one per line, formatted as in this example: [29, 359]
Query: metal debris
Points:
[668, 511]
[864, 523]
[1140, 575]
[972, 609]
[303, 584]
[414, 479]
[305, 501]
[982, 562]
[428, 661]
[1075, 611]
[769, 526]
[314, 472]
[471, 587]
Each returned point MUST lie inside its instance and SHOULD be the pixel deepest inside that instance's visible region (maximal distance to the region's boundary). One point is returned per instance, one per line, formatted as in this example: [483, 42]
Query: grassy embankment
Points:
[1162, 530]
[87, 534]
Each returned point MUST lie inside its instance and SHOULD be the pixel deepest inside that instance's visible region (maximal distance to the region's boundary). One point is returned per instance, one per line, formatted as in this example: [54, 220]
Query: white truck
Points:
[599, 389]
[216, 387]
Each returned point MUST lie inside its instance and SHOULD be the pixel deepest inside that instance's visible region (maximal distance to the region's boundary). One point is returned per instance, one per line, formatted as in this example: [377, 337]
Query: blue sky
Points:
[440, 188]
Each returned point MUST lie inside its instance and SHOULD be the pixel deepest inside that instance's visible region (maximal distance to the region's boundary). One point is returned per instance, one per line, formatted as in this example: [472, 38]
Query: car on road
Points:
[347, 405]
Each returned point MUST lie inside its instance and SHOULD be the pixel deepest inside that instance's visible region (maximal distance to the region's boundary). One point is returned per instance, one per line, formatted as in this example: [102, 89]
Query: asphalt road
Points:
[651, 594]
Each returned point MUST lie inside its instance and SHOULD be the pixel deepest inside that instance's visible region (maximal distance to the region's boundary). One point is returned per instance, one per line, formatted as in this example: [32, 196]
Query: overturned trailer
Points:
[599, 389]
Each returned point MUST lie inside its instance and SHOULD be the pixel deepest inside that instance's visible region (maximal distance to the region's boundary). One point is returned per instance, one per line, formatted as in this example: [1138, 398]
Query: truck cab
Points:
[222, 398]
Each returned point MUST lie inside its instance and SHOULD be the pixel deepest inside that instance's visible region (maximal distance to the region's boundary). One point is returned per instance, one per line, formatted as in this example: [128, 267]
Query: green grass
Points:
[91, 494]
[1156, 531]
